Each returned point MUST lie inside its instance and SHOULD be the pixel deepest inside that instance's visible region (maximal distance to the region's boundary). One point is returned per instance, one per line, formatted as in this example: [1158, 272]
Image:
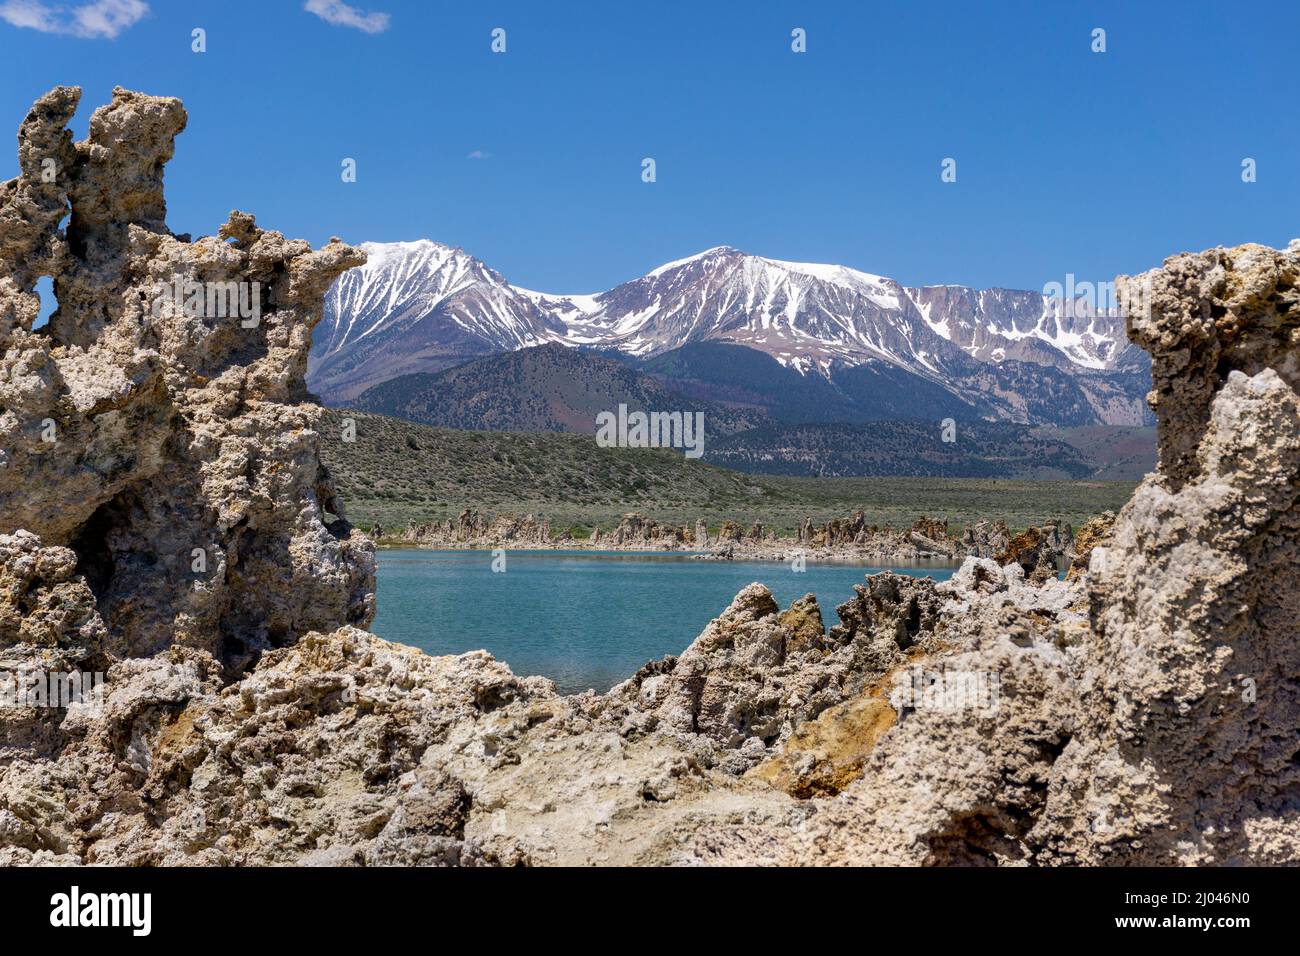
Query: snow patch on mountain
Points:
[422, 303]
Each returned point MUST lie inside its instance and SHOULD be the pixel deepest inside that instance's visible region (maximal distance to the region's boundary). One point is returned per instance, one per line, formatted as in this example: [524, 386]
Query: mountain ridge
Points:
[424, 307]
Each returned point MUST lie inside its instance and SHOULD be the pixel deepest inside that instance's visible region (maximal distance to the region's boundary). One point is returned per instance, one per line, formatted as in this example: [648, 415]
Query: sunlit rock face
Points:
[1186, 751]
[158, 426]
[1148, 706]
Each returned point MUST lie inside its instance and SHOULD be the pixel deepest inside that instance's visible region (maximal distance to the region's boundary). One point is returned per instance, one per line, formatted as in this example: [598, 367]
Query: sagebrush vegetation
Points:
[396, 471]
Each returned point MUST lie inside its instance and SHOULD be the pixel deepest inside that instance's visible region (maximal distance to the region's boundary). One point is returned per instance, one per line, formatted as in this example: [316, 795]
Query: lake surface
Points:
[582, 618]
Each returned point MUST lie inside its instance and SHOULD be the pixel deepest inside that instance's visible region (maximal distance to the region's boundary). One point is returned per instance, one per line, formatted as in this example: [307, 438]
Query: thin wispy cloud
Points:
[479, 154]
[100, 19]
[339, 14]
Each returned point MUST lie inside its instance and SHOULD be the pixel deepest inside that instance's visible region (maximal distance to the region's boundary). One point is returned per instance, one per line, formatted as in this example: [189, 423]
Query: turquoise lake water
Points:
[582, 618]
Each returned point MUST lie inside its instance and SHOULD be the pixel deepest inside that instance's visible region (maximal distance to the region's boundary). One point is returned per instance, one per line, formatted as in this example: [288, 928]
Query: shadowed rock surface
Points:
[1142, 711]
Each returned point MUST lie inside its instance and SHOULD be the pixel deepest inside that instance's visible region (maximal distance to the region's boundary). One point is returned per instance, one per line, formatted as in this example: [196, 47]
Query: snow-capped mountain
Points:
[807, 314]
[998, 324]
[417, 307]
[422, 306]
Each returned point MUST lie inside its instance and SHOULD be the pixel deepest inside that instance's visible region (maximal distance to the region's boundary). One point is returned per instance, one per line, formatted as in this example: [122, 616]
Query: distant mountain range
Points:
[761, 416]
[797, 342]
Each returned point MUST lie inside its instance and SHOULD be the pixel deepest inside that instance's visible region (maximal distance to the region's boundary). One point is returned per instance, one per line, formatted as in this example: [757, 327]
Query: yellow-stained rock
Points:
[825, 755]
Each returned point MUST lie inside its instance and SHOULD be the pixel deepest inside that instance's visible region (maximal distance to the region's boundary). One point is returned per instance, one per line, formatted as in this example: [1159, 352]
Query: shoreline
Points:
[929, 543]
[776, 555]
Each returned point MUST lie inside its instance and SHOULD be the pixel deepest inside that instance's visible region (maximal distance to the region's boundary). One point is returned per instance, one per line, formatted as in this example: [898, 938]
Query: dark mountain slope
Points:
[545, 388]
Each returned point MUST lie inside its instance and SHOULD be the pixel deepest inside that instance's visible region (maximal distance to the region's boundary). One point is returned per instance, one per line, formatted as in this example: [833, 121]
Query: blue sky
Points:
[1068, 161]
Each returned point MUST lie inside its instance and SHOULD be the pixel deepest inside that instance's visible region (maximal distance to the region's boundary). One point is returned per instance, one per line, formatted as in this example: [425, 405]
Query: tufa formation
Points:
[165, 519]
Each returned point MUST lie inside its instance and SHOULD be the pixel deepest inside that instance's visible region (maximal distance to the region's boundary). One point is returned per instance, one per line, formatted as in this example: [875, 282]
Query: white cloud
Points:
[108, 18]
[479, 154]
[339, 14]
[27, 13]
[99, 19]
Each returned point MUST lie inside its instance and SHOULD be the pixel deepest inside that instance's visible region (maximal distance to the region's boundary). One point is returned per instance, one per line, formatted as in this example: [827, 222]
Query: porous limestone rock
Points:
[757, 673]
[313, 757]
[1141, 711]
[1093, 534]
[1186, 750]
[1147, 708]
[824, 755]
[170, 452]
[1038, 550]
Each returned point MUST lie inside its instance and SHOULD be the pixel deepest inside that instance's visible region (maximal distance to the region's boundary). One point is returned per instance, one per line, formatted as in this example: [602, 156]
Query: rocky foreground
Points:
[165, 519]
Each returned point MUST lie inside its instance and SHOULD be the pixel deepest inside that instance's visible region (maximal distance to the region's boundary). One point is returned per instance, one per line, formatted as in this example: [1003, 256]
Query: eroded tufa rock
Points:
[1149, 716]
[1186, 751]
[1142, 711]
[171, 451]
